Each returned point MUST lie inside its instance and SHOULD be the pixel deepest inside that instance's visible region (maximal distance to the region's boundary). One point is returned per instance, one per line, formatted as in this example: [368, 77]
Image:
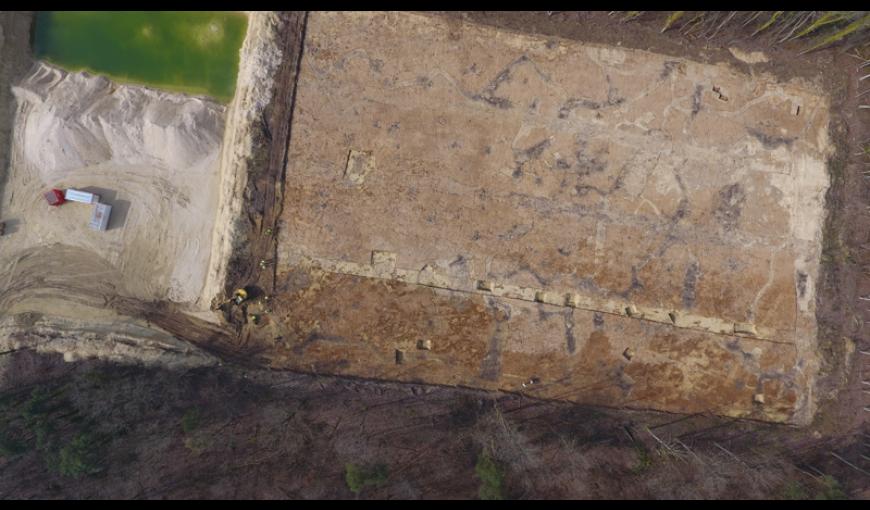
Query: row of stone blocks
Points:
[383, 265]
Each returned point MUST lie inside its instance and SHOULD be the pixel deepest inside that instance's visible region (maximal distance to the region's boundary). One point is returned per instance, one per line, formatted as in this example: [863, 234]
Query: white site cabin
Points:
[100, 216]
[101, 213]
[74, 195]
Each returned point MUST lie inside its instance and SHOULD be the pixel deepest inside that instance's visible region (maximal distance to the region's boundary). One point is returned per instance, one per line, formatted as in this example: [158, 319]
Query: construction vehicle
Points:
[238, 297]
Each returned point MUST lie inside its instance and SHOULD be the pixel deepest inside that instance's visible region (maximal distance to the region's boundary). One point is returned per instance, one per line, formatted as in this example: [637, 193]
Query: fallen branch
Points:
[665, 445]
[690, 451]
[735, 457]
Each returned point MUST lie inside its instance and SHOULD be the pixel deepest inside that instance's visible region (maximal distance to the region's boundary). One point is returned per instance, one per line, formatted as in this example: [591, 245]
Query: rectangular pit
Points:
[581, 201]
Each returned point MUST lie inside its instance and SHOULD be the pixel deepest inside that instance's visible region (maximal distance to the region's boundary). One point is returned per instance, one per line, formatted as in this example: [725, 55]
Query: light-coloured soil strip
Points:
[383, 266]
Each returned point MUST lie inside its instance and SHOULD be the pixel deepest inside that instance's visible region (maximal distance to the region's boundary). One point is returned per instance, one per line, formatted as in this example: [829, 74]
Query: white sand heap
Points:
[78, 120]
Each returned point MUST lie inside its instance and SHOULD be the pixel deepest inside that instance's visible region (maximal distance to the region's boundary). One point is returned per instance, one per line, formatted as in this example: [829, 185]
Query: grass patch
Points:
[11, 447]
[42, 401]
[644, 460]
[197, 443]
[195, 440]
[830, 489]
[191, 420]
[77, 458]
[491, 476]
[97, 377]
[793, 491]
[359, 477]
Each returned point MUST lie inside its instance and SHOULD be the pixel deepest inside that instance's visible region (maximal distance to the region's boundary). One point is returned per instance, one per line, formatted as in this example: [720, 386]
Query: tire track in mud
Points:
[67, 273]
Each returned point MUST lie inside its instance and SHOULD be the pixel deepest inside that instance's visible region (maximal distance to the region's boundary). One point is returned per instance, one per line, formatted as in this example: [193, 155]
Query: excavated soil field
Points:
[470, 206]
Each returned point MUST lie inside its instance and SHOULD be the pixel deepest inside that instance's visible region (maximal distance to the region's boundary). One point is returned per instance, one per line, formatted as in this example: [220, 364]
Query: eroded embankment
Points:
[120, 341]
[257, 124]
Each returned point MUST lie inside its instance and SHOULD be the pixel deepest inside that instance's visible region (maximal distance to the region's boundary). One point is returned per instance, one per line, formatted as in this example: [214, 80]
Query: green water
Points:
[193, 52]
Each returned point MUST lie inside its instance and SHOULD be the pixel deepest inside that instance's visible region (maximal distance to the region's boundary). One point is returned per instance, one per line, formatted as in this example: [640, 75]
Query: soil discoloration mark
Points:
[523, 156]
[770, 142]
[613, 97]
[731, 200]
[696, 100]
[490, 367]
[525, 268]
[588, 164]
[801, 284]
[313, 337]
[598, 320]
[690, 281]
[633, 286]
[573, 104]
[535, 151]
[487, 95]
[516, 232]
[571, 342]
[669, 68]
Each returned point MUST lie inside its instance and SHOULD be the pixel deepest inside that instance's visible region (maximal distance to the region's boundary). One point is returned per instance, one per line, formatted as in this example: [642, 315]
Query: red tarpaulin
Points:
[54, 197]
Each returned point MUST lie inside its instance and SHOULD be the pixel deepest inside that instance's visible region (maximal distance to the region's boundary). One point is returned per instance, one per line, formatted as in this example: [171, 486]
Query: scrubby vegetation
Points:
[91, 429]
[46, 420]
[820, 28]
[491, 477]
[359, 477]
[190, 421]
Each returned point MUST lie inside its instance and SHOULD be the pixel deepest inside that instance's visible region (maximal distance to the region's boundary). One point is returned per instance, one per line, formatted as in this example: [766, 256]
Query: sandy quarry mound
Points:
[79, 120]
[153, 156]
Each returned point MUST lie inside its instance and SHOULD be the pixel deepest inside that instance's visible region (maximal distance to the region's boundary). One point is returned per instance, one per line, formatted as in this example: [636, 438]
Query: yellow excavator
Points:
[238, 297]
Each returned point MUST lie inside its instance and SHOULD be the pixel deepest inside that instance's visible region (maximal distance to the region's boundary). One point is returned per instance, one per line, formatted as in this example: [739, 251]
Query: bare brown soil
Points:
[547, 167]
[840, 314]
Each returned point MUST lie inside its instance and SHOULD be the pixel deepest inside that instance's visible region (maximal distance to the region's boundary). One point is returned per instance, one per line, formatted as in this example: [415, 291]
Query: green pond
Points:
[193, 52]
